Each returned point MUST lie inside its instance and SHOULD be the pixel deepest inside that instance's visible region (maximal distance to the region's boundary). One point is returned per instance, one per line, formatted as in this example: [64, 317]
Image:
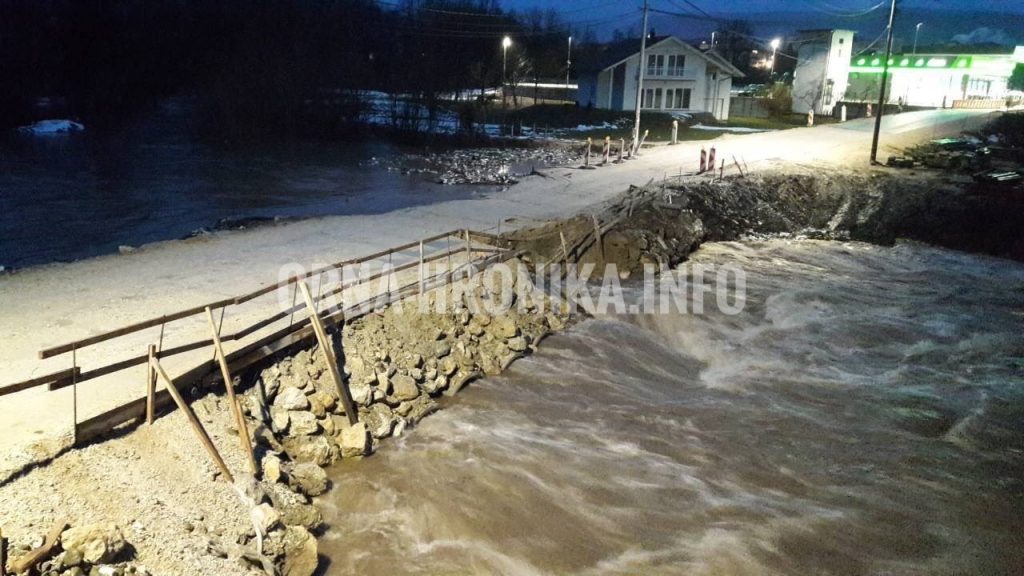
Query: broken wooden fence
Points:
[480, 249]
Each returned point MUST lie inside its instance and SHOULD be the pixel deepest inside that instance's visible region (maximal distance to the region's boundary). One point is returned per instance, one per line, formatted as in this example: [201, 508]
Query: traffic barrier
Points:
[711, 159]
[675, 132]
[703, 161]
[607, 151]
[810, 118]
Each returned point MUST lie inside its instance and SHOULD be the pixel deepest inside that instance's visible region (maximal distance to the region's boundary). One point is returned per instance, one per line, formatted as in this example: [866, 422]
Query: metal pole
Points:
[881, 91]
[640, 76]
[568, 65]
[917, 30]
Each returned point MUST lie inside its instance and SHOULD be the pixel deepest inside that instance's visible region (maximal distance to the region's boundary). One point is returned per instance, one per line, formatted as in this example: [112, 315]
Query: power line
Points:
[838, 12]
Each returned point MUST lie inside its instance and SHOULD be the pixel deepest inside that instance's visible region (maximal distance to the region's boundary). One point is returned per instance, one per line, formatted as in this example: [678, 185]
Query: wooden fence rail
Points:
[265, 346]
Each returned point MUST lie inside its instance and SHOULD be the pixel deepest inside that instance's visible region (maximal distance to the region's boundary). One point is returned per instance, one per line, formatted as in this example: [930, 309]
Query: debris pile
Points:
[493, 166]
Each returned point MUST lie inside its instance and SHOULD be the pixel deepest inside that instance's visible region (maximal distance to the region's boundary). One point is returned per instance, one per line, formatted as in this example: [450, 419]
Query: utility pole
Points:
[881, 91]
[640, 79]
[568, 66]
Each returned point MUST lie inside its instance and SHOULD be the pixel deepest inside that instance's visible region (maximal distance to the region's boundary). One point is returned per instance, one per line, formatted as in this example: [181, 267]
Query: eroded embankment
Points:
[663, 224]
[153, 492]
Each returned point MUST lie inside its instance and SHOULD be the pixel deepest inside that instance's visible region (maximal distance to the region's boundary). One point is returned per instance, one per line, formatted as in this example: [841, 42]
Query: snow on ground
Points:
[729, 128]
[52, 127]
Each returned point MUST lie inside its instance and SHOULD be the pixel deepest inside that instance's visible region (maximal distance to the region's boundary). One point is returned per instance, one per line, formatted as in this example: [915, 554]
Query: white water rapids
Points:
[864, 415]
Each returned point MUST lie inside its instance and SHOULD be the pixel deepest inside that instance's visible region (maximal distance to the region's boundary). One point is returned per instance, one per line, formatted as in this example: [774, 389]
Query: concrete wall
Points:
[748, 106]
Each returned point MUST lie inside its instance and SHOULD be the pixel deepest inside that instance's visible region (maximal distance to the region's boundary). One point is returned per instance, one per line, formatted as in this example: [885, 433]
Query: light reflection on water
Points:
[863, 415]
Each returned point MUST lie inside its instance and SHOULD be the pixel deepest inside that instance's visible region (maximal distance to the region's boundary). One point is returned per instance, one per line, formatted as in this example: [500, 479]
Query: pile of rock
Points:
[99, 549]
[395, 364]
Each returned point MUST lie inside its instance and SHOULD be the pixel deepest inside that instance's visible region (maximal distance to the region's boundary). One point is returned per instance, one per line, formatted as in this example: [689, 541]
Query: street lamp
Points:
[917, 30]
[505, 43]
[775, 47]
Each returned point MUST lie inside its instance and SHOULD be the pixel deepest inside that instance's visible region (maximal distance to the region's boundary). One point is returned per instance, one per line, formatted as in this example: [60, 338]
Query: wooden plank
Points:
[336, 265]
[55, 377]
[197, 426]
[28, 561]
[151, 385]
[229, 384]
[79, 344]
[252, 354]
[329, 356]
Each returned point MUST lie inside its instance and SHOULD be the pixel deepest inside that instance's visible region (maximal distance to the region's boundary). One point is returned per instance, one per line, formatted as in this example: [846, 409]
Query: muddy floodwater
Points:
[863, 415]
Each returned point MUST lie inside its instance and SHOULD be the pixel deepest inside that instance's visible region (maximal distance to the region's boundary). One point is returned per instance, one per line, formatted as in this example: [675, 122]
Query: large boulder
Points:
[354, 441]
[300, 552]
[96, 543]
[378, 420]
[404, 387]
[293, 508]
[308, 478]
[503, 328]
[302, 423]
[291, 399]
[271, 468]
[315, 449]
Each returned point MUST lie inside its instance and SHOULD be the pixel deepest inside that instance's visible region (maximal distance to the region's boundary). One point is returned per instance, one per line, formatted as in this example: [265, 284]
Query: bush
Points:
[779, 101]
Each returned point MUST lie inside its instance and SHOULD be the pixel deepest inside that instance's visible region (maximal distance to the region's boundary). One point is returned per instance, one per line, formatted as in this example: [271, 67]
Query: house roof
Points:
[615, 53]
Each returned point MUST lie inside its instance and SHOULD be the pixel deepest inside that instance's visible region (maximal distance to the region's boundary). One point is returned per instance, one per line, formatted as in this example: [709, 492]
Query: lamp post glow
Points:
[775, 48]
[505, 43]
[917, 30]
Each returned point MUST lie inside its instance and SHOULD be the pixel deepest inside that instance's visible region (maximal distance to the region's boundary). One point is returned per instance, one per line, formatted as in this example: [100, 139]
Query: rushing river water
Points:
[863, 415]
[72, 196]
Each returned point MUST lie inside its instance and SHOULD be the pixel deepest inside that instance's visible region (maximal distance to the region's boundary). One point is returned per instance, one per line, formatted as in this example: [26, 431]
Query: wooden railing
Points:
[478, 248]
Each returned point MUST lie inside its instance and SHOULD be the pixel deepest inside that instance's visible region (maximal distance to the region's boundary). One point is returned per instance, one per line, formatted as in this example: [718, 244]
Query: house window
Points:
[678, 98]
[657, 98]
[648, 98]
[828, 92]
[676, 64]
[656, 65]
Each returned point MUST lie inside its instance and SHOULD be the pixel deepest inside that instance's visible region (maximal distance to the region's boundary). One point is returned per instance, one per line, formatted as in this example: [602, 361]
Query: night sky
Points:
[967, 21]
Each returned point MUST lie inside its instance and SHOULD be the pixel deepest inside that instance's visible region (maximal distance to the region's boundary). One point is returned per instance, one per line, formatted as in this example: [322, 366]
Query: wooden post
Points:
[597, 235]
[329, 356]
[421, 267]
[3, 554]
[607, 151]
[586, 162]
[675, 132]
[28, 561]
[150, 386]
[565, 249]
[229, 384]
[622, 146]
[204, 438]
[469, 251]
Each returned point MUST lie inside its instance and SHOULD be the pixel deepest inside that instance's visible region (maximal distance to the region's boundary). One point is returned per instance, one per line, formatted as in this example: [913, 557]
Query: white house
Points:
[822, 69]
[677, 77]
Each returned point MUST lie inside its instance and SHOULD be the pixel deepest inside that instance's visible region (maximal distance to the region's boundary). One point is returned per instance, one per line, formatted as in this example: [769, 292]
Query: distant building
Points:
[677, 77]
[822, 69]
[946, 80]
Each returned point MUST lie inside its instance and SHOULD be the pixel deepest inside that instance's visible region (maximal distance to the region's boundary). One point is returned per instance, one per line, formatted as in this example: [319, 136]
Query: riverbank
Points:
[402, 365]
[67, 302]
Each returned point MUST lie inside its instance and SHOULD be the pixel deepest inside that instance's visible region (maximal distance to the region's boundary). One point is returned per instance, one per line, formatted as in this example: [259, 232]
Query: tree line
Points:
[258, 67]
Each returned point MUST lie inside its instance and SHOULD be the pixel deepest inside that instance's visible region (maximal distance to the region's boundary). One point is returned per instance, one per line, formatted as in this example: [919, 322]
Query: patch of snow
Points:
[682, 116]
[52, 127]
[601, 126]
[729, 128]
